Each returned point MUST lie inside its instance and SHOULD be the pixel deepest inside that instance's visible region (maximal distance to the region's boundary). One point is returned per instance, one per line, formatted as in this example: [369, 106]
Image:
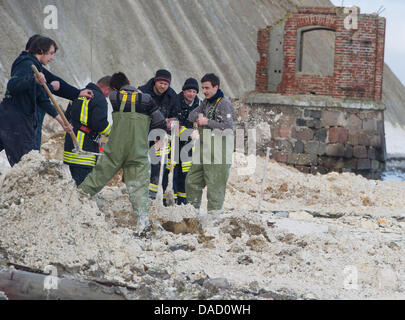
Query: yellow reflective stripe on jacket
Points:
[106, 132]
[153, 187]
[133, 97]
[84, 114]
[75, 158]
[84, 117]
[80, 138]
[182, 130]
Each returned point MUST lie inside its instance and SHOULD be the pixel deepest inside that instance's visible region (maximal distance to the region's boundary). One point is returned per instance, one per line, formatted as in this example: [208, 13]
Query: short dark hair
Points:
[42, 45]
[31, 40]
[105, 81]
[210, 77]
[118, 80]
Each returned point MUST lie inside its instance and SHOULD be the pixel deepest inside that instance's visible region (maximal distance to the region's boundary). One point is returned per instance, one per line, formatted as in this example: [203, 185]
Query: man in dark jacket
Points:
[57, 86]
[133, 114]
[167, 101]
[89, 121]
[188, 102]
[24, 97]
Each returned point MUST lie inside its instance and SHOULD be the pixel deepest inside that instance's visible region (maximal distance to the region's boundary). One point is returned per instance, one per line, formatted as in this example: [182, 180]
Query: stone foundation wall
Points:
[318, 134]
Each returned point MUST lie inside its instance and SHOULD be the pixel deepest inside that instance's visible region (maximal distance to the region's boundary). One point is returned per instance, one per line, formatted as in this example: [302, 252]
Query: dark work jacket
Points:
[144, 104]
[65, 91]
[168, 102]
[23, 91]
[185, 110]
[92, 114]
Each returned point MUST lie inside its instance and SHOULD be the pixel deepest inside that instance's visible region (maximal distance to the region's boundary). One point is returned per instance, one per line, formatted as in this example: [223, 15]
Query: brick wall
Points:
[358, 59]
[320, 139]
[263, 41]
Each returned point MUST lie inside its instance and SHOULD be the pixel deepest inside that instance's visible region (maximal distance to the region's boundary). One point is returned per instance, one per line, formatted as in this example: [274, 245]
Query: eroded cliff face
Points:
[190, 38]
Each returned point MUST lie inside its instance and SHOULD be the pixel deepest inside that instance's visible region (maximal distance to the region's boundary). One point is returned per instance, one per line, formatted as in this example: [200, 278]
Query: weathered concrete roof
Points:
[311, 101]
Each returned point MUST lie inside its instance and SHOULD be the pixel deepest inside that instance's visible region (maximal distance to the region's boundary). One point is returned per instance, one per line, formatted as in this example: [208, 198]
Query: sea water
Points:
[395, 170]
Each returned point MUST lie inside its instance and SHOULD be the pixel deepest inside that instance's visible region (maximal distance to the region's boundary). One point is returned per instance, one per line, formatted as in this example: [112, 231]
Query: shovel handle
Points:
[264, 178]
[175, 124]
[58, 108]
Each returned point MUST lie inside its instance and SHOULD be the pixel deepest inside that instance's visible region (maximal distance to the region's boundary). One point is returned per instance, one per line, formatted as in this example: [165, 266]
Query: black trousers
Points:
[79, 173]
[180, 176]
[17, 132]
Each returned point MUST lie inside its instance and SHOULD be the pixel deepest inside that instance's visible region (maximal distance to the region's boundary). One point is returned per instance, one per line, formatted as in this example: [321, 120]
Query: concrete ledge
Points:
[311, 101]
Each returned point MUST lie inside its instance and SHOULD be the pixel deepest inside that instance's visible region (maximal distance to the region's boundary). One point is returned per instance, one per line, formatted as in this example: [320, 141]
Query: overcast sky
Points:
[395, 30]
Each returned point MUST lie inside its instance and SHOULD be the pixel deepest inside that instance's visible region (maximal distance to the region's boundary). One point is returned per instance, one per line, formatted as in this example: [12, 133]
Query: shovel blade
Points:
[81, 151]
[169, 198]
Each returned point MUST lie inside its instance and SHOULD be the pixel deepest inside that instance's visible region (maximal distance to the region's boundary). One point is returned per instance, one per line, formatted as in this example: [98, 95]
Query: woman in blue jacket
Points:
[24, 97]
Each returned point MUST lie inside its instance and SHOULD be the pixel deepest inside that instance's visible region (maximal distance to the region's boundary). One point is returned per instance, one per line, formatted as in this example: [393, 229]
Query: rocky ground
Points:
[336, 236]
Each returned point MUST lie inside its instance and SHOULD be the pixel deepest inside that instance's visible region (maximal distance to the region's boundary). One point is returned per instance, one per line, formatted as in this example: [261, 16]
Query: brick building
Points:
[330, 118]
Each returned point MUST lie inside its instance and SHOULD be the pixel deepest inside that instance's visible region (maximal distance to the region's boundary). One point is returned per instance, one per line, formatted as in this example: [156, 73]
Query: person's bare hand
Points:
[195, 135]
[55, 85]
[68, 128]
[40, 78]
[202, 121]
[86, 93]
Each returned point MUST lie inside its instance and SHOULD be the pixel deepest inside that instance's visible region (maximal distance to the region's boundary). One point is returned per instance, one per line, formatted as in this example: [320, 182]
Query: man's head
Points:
[118, 80]
[162, 81]
[31, 40]
[190, 89]
[210, 85]
[104, 85]
[43, 49]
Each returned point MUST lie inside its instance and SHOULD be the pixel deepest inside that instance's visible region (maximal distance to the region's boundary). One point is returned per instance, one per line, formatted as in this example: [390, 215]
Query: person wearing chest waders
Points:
[212, 156]
[127, 148]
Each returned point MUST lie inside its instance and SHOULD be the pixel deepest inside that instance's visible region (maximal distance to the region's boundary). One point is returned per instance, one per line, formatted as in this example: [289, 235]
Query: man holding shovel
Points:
[24, 95]
[212, 157]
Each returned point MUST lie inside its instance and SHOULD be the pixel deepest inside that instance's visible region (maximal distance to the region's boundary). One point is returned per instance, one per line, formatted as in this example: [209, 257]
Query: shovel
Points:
[264, 179]
[169, 191]
[77, 148]
[159, 196]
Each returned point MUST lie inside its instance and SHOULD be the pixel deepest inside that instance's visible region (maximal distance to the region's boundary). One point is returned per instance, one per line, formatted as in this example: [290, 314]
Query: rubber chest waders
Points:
[127, 148]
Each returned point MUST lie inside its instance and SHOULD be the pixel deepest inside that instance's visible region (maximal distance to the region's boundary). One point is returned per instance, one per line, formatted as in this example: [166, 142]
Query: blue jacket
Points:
[65, 91]
[23, 91]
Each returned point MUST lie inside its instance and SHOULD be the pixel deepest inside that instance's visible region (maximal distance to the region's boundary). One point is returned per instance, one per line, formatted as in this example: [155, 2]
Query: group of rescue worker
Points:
[142, 117]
